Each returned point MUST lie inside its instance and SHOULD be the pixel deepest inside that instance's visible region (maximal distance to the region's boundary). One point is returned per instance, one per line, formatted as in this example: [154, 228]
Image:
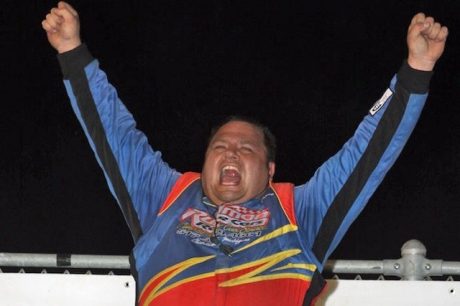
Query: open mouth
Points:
[230, 176]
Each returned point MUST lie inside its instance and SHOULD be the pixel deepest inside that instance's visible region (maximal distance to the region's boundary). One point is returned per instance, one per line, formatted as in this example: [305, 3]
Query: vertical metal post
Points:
[413, 265]
[413, 255]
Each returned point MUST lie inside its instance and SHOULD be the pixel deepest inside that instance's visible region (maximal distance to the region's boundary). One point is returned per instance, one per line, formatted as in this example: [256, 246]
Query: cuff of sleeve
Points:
[74, 60]
[414, 80]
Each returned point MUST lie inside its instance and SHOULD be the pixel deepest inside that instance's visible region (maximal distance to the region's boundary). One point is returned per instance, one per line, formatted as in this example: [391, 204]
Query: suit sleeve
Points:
[136, 175]
[336, 194]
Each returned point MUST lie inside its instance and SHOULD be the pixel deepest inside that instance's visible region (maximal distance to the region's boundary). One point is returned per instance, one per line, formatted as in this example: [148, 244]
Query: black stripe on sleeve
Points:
[87, 107]
[409, 81]
[364, 168]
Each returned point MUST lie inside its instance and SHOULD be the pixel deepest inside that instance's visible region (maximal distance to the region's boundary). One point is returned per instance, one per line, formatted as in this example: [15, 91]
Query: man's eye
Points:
[246, 149]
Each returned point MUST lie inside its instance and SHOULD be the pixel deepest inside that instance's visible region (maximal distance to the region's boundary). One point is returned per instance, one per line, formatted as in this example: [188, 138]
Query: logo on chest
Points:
[230, 221]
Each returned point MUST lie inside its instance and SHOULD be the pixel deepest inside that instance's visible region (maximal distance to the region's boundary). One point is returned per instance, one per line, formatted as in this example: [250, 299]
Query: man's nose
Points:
[231, 153]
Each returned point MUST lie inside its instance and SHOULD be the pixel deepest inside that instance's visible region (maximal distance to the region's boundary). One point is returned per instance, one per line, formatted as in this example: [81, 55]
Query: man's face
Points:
[235, 169]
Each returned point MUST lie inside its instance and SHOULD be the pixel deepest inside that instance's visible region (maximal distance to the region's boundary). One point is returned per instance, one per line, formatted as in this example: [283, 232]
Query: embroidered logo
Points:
[234, 223]
[199, 220]
[238, 216]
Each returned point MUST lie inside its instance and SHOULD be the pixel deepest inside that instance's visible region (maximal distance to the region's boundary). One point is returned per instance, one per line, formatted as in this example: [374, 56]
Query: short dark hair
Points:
[269, 138]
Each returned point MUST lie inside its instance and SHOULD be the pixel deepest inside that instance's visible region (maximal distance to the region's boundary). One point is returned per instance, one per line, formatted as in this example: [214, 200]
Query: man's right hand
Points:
[62, 27]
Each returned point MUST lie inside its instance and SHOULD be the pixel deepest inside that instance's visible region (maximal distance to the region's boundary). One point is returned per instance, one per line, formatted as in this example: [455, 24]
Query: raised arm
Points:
[328, 204]
[62, 27]
[136, 175]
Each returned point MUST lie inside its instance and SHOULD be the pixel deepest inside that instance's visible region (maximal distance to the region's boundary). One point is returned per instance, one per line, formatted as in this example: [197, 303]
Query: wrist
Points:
[68, 46]
[421, 64]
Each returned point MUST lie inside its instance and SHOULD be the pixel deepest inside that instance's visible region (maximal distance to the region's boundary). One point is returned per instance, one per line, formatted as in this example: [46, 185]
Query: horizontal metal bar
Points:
[412, 266]
[64, 261]
[451, 268]
[354, 266]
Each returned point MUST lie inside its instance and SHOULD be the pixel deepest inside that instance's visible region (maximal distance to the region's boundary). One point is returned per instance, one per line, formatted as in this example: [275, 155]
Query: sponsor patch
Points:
[233, 223]
[381, 102]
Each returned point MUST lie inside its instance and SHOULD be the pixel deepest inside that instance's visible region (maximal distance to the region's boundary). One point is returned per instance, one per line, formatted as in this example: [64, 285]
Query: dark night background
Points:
[309, 70]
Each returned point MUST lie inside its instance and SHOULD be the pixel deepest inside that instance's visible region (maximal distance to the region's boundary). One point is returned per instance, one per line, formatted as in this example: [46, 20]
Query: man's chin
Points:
[230, 196]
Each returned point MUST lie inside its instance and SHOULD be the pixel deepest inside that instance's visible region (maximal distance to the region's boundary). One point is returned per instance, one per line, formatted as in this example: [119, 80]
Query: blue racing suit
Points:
[278, 243]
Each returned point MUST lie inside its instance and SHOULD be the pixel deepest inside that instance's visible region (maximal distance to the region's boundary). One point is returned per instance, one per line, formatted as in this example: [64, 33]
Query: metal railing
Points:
[413, 265]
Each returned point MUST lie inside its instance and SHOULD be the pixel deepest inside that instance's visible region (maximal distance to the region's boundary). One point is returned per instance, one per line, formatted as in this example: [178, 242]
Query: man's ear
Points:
[271, 170]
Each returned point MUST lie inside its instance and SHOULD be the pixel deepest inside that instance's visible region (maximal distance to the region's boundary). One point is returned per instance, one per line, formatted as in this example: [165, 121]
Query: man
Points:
[230, 236]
